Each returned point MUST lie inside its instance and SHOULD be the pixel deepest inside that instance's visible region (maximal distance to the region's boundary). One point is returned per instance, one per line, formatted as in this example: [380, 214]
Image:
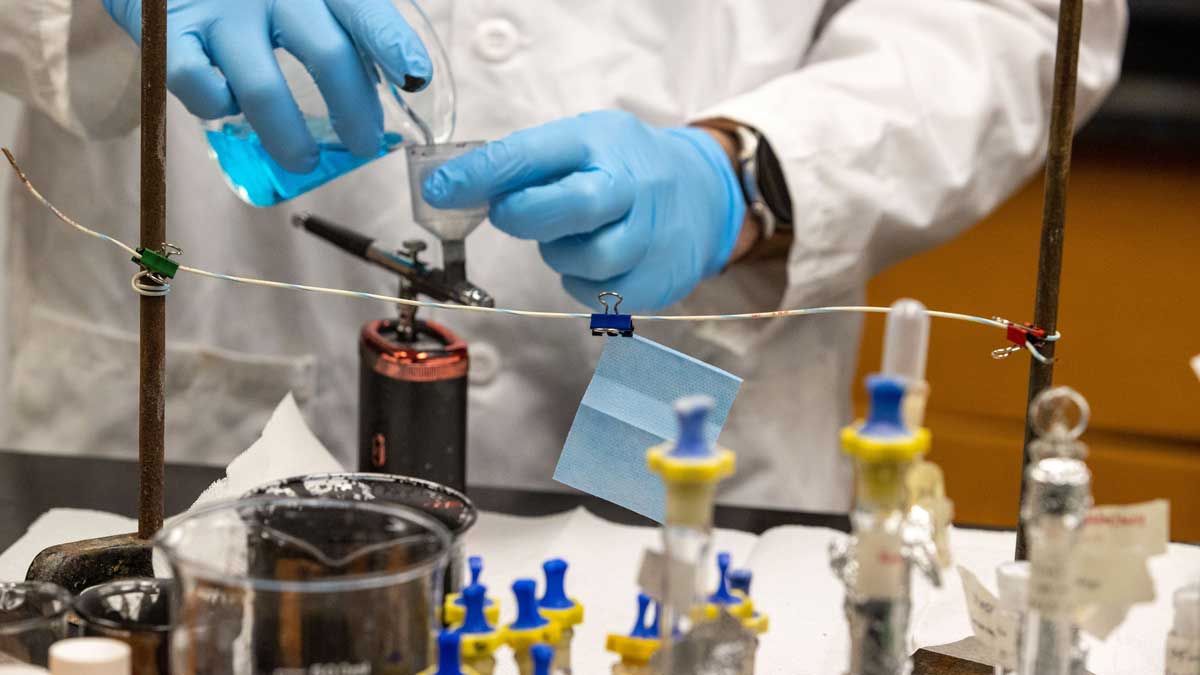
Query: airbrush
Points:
[412, 372]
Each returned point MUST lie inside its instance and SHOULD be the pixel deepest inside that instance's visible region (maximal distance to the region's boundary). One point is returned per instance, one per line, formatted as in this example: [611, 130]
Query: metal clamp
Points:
[1023, 336]
[611, 322]
[156, 269]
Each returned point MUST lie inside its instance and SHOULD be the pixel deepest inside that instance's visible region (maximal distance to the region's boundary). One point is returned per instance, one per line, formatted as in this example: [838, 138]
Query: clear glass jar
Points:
[283, 584]
[33, 616]
[424, 117]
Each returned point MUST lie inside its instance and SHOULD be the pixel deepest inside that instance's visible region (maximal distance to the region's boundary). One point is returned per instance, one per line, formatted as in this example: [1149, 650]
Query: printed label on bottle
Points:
[1140, 527]
[882, 569]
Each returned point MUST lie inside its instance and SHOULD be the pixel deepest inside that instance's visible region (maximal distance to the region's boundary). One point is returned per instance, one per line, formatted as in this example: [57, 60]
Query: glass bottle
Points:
[425, 117]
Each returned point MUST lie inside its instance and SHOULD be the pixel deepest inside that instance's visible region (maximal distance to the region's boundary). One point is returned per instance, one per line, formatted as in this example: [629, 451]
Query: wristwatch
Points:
[763, 183]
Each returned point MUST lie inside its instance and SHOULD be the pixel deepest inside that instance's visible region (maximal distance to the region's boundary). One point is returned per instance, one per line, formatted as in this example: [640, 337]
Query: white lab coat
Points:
[898, 122]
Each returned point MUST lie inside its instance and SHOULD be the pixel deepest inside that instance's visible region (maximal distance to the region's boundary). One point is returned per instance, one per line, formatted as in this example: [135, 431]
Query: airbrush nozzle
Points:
[440, 285]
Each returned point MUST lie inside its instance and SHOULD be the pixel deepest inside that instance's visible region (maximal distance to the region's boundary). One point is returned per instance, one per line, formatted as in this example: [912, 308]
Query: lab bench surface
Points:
[31, 484]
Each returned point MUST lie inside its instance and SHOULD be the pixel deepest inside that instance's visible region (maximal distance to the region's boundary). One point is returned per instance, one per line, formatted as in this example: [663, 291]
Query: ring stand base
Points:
[79, 564]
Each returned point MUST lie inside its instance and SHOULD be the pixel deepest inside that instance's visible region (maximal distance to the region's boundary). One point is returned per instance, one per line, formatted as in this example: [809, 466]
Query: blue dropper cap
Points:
[723, 596]
[449, 653]
[885, 419]
[640, 630]
[543, 656]
[475, 564]
[475, 620]
[528, 616]
[692, 412]
[556, 591]
[739, 580]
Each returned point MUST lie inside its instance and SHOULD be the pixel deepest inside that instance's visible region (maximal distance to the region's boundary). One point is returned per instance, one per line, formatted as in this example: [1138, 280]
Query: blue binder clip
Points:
[612, 323]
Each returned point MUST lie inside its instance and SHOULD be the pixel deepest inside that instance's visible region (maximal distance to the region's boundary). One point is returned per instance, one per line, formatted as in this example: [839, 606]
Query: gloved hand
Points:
[614, 204]
[239, 38]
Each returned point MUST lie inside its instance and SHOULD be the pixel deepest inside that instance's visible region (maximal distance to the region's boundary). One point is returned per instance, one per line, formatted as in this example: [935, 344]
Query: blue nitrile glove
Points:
[614, 204]
[239, 37]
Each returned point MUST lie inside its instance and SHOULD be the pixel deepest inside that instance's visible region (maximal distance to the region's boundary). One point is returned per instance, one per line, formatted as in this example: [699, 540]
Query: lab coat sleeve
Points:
[70, 61]
[909, 121]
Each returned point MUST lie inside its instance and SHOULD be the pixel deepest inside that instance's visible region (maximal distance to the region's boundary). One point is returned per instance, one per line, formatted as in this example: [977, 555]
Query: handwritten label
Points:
[1183, 655]
[1050, 582]
[994, 627]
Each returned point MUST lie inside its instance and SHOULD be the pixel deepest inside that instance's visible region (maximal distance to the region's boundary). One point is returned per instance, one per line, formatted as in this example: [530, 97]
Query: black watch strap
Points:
[772, 185]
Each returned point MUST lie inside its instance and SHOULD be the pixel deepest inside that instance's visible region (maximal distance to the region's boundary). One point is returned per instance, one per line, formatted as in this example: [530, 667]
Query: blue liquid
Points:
[260, 181]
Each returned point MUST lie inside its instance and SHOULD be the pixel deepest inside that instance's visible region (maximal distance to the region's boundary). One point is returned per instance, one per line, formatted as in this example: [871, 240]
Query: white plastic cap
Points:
[1187, 610]
[1012, 580]
[89, 656]
[906, 340]
[21, 669]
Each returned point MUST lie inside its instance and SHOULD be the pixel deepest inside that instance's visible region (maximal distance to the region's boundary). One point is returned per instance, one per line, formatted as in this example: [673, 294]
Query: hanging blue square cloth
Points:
[628, 407]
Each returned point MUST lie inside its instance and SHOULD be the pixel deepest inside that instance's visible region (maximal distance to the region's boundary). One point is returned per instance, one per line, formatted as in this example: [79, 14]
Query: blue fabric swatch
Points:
[628, 407]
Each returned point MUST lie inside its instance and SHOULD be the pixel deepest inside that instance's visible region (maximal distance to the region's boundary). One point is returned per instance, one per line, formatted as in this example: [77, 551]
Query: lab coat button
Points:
[496, 40]
[485, 364]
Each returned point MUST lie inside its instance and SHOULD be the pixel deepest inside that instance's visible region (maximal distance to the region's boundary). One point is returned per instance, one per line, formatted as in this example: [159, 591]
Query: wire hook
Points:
[616, 309]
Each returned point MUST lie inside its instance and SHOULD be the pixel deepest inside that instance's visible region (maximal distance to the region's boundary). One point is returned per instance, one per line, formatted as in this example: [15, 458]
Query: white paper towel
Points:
[286, 448]
[57, 526]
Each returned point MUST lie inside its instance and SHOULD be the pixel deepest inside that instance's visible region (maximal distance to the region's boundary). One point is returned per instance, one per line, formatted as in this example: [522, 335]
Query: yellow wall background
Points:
[1129, 313]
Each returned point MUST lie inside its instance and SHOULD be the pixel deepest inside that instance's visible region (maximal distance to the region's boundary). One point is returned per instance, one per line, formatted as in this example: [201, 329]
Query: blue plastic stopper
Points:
[543, 656]
[475, 620]
[723, 596]
[640, 630]
[739, 580]
[449, 654]
[885, 418]
[556, 591]
[692, 412]
[528, 616]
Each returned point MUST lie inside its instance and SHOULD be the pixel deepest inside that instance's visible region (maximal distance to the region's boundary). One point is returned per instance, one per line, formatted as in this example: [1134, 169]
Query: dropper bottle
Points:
[724, 599]
[480, 639]
[690, 468]
[454, 607]
[877, 565]
[1058, 496]
[1183, 642]
[638, 646]
[905, 352]
[561, 609]
[530, 627]
[449, 656]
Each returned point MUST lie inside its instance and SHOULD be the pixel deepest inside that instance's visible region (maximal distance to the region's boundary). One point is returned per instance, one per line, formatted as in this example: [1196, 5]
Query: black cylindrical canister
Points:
[413, 403]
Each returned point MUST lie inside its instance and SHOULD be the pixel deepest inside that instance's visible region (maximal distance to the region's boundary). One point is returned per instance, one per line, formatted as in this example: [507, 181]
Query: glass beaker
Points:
[136, 612]
[426, 116]
[33, 616]
[449, 506]
[295, 585]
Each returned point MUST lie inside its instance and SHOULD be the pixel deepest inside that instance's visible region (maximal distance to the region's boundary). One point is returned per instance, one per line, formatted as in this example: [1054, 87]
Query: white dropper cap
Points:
[1187, 611]
[89, 656]
[1012, 580]
[905, 349]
